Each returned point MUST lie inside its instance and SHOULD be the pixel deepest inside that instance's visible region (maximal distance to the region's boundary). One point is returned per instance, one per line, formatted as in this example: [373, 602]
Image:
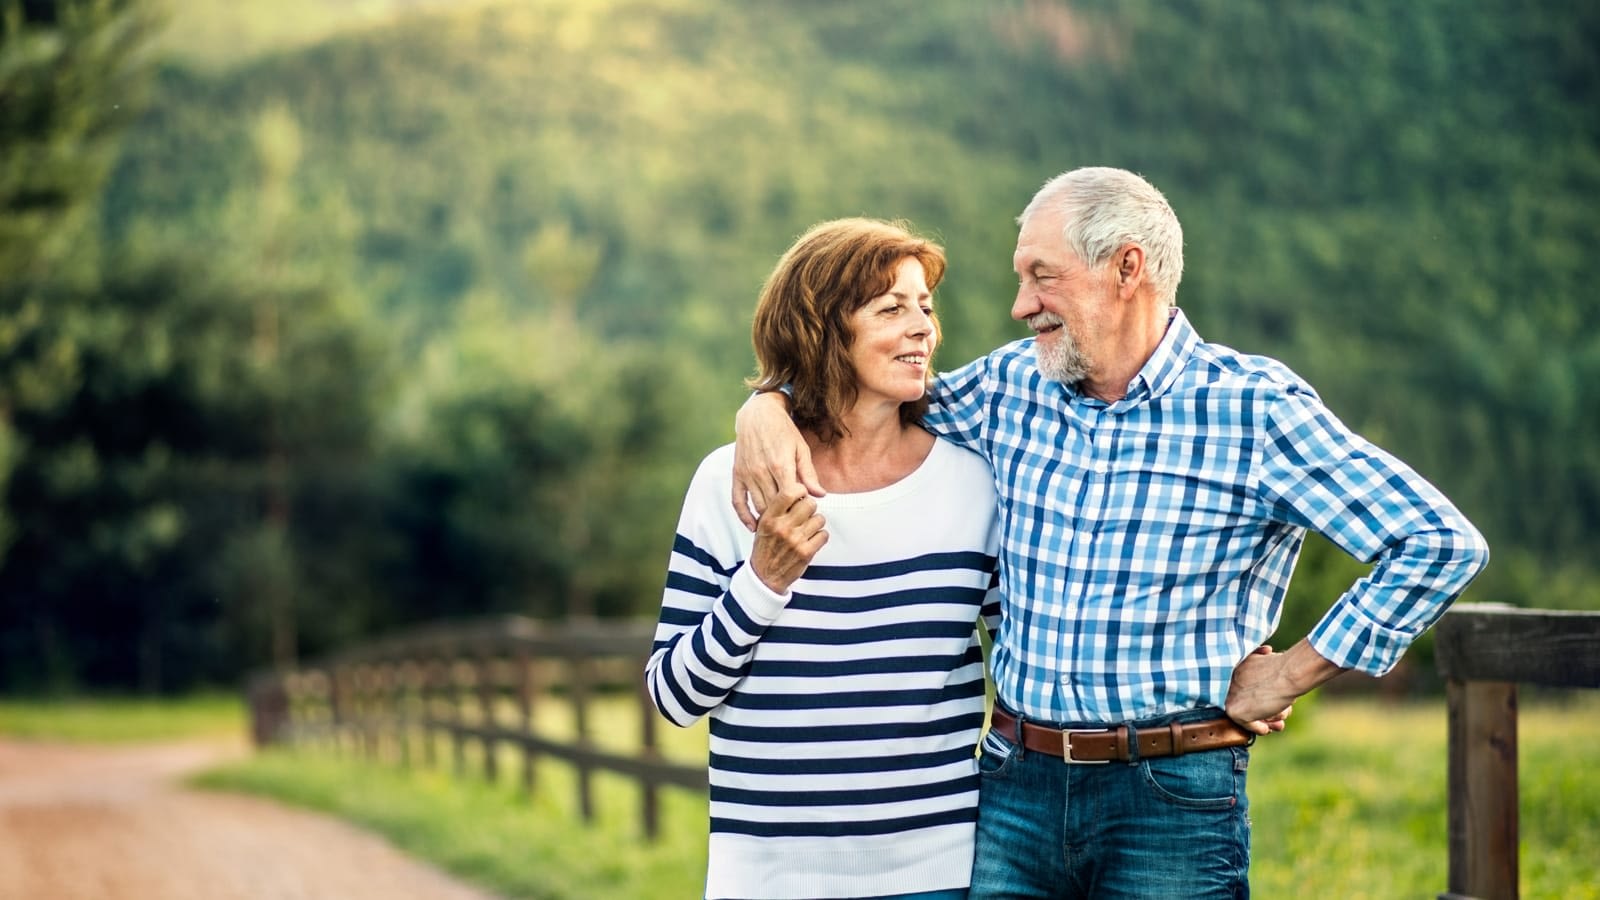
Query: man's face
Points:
[1059, 297]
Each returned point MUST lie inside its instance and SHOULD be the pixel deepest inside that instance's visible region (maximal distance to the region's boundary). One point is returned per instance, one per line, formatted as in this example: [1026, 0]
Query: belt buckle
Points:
[1066, 746]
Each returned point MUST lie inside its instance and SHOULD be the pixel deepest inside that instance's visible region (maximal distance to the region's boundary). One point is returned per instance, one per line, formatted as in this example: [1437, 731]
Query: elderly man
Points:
[1155, 490]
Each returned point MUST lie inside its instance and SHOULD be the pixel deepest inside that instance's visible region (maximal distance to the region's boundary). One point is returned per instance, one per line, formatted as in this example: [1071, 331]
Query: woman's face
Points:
[893, 339]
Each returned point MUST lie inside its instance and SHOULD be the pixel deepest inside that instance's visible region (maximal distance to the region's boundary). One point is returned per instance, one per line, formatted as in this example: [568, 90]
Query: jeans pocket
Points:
[994, 756]
[1207, 781]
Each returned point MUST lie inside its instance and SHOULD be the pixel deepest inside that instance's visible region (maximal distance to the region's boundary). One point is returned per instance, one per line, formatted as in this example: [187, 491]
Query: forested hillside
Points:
[434, 314]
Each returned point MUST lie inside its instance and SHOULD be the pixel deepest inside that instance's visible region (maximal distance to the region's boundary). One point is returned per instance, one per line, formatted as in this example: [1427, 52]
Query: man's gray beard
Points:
[1061, 360]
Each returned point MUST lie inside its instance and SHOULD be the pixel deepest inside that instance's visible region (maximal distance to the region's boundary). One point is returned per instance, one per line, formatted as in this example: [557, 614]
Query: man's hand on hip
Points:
[1266, 684]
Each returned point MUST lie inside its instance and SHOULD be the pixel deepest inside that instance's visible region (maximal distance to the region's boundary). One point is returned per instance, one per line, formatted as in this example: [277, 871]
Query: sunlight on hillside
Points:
[218, 34]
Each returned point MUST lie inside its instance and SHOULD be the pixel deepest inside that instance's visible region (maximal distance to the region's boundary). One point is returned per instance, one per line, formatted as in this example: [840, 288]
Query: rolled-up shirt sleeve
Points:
[1317, 474]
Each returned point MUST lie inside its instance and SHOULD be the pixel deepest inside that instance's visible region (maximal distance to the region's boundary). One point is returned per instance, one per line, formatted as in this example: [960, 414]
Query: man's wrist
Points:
[1306, 669]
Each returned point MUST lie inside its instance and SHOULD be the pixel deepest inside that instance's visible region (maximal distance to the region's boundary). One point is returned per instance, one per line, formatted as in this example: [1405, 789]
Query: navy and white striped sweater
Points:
[843, 717]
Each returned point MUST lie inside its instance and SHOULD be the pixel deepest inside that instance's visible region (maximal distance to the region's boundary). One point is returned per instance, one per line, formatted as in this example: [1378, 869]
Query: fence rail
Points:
[1484, 651]
[479, 683]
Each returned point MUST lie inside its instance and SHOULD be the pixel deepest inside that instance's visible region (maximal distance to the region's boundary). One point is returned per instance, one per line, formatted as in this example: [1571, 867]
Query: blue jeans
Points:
[1172, 827]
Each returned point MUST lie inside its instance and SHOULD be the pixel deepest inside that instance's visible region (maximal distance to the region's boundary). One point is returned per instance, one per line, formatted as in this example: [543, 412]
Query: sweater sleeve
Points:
[989, 615]
[714, 609]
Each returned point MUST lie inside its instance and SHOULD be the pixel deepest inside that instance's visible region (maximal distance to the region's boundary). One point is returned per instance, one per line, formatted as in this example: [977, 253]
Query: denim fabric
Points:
[1171, 827]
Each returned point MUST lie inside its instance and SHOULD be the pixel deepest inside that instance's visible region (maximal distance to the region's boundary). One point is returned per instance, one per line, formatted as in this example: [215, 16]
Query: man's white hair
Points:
[1105, 208]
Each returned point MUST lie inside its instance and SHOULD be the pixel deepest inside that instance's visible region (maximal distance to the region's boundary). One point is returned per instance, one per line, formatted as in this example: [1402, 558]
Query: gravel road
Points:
[115, 823]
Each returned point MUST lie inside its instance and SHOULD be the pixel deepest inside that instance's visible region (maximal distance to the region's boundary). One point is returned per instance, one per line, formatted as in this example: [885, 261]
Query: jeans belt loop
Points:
[1022, 747]
[1128, 743]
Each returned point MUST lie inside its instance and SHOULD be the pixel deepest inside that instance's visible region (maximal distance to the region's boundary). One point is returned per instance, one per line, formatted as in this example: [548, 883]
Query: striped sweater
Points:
[843, 715]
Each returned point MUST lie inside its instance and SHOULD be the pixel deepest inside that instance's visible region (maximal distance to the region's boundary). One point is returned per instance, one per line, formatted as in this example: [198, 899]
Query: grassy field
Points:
[1349, 803]
[123, 719]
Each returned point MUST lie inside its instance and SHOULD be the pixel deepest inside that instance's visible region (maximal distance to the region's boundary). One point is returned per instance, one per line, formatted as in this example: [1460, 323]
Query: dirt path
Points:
[113, 823]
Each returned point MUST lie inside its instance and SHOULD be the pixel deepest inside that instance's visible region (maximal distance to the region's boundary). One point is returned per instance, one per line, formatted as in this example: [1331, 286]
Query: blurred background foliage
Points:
[327, 317]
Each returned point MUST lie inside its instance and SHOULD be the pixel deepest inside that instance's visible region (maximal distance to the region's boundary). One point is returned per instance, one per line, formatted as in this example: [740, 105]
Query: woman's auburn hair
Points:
[802, 334]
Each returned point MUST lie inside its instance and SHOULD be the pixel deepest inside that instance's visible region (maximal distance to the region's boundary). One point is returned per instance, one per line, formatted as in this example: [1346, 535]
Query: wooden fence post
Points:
[1483, 651]
[1483, 787]
[487, 722]
[527, 688]
[578, 692]
[458, 714]
[370, 690]
[650, 800]
[403, 710]
[336, 705]
[269, 709]
[432, 675]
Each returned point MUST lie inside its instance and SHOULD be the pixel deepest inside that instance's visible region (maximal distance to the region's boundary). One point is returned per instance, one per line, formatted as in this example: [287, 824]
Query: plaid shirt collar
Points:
[1158, 373]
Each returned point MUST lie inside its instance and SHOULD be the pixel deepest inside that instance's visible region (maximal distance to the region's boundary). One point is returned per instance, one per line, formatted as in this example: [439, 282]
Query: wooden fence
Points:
[1483, 652]
[479, 683]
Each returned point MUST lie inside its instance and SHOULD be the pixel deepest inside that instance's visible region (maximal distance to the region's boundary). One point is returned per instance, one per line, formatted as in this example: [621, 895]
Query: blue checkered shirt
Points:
[1147, 543]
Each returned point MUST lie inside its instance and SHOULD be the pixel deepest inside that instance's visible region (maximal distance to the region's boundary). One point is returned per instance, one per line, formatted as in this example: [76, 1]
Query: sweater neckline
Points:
[922, 476]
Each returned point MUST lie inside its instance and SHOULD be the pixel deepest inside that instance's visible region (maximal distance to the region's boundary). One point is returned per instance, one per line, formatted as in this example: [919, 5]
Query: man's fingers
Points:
[741, 506]
[807, 473]
[752, 496]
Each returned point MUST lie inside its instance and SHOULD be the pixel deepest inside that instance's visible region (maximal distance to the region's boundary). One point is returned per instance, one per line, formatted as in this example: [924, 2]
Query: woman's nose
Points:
[921, 323]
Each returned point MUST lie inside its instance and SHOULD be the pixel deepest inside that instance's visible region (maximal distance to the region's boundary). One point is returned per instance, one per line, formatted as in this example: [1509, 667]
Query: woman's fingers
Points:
[788, 536]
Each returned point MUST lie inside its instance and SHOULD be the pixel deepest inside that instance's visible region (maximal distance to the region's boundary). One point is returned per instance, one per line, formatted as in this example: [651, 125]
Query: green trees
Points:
[435, 317]
[66, 82]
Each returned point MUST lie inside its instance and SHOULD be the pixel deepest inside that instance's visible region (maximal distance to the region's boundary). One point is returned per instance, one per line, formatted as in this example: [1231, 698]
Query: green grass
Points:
[1350, 804]
[123, 719]
[494, 834]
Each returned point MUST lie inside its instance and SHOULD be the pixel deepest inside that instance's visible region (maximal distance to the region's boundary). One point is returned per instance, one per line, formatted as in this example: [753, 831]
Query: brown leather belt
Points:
[1102, 745]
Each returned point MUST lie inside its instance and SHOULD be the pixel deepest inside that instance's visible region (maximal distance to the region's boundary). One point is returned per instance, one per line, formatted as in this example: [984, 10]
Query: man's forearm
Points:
[754, 402]
[1265, 685]
[1305, 670]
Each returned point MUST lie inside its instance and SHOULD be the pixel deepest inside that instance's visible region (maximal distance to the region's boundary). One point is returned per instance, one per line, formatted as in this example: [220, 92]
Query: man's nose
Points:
[1026, 303]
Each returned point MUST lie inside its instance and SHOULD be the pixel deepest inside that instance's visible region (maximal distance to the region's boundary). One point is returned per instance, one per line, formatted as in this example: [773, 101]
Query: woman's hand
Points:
[769, 457]
[788, 535]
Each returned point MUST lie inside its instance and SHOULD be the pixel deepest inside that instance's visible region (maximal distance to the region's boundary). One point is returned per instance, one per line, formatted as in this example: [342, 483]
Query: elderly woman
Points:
[835, 649]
